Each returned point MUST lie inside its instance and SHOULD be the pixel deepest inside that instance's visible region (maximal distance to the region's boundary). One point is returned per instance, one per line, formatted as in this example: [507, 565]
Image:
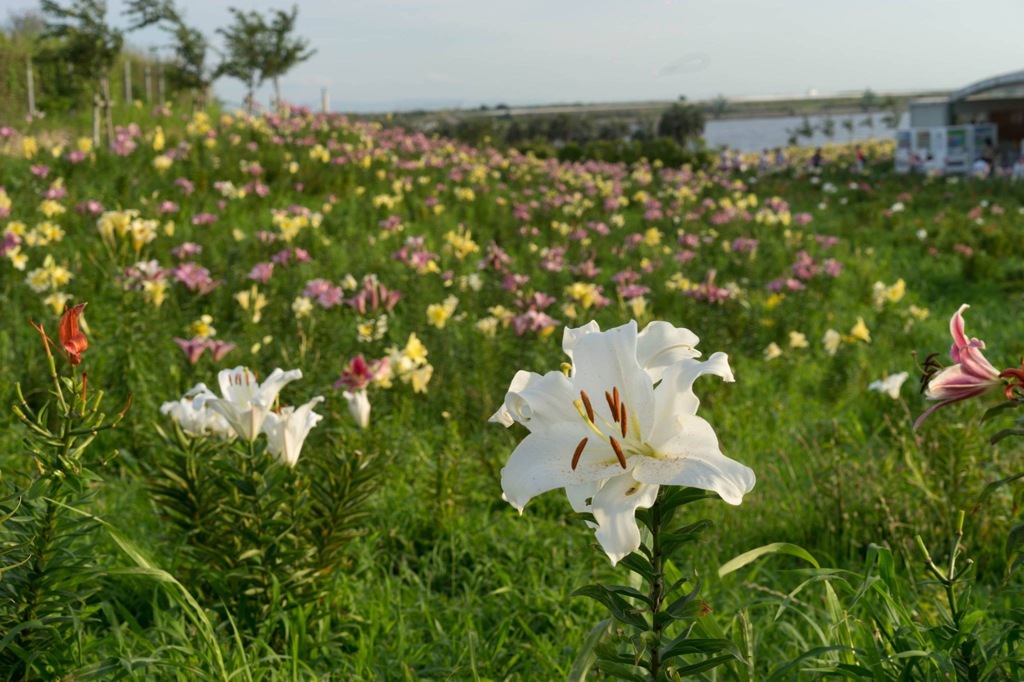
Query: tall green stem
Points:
[657, 590]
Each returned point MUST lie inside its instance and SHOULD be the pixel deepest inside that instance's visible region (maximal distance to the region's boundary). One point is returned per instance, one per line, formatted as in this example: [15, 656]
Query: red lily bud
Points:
[72, 340]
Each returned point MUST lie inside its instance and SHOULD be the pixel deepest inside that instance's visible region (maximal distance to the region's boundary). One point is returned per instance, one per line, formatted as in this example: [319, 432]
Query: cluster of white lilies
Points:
[246, 410]
[616, 423]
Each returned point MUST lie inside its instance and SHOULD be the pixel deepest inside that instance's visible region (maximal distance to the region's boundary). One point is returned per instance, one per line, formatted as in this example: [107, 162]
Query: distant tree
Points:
[868, 101]
[28, 24]
[805, 129]
[88, 42]
[535, 127]
[828, 126]
[559, 128]
[868, 122]
[643, 131]
[188, 70]
[848, 125]
[681, 121]
[719, 106]
[475, 130]
[245, 50]
[613, 131]
[892, 116]
[284, 51]
[514, 133]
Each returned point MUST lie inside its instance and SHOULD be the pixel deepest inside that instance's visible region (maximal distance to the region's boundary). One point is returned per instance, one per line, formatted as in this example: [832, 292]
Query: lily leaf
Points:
[1001, 407]
[696, 645]
[774, 548]
[620, 670]
[587, 656]
[1005, 433]
[639, 565]
[619, 607]
[996, 485]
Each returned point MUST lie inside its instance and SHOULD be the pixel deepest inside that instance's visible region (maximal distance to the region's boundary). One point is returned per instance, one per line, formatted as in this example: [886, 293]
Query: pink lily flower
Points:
[193, 348]
[971, 376]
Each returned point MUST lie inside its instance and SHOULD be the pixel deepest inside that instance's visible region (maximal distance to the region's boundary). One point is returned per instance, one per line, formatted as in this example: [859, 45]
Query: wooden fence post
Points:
[31, 87]
[127, 81]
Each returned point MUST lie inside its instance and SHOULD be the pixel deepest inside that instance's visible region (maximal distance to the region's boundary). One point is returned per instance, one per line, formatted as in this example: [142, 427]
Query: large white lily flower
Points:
[619, 425]
[287, 431]
[246, 403]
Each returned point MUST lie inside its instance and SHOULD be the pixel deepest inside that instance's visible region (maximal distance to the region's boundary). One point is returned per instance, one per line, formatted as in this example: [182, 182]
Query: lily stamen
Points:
[615, 397]
[623, 422]
[578, 404]
[618, 451]
[579, 451]
[587, 405]
[611, 405]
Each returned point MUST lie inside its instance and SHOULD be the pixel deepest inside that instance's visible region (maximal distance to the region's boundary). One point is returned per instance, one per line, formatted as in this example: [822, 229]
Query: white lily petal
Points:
[614, 509]
[580, 495]
[245, 420]
[675, 395]
[272, 385]
[571, 335]
[605, 361]
[520, 381]
[197, 422]
[197, 389]
[245, 403]
[237, 385]
[287, 431]
[661, 344]
[543, 462]
[538, 401]
[689, 455]
[358, 407]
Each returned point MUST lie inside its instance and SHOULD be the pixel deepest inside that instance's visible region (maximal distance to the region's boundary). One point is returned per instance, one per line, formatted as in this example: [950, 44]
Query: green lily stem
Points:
[950, 576]
[657, 589]
[56, 379]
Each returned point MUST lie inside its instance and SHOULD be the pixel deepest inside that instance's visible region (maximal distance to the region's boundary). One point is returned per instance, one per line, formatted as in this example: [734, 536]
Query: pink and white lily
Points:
[971, 376]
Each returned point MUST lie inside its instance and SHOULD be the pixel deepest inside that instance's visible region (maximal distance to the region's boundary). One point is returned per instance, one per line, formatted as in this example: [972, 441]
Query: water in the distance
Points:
[755, 134]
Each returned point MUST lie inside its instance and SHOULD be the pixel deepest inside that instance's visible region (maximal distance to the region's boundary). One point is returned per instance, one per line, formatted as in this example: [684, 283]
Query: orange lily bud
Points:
[71, 339]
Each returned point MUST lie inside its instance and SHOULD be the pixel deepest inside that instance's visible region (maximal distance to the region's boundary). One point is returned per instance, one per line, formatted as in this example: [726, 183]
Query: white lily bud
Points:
[359, 406]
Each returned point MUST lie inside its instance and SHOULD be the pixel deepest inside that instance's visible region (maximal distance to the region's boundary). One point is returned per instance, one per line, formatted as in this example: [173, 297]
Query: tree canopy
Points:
[257, 50]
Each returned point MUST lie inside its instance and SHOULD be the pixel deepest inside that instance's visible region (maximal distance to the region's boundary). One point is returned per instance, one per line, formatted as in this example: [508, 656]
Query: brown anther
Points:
[615, 397]
[618, 451]
[579, 451]
[623, 422]
[611, 405]
[587, 406]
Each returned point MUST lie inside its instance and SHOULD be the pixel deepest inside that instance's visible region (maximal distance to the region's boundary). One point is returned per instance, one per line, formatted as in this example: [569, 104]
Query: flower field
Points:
[251, 438]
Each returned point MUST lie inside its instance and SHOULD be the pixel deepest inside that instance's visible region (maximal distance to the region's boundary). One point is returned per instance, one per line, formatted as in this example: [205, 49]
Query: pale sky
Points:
[397, 54]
